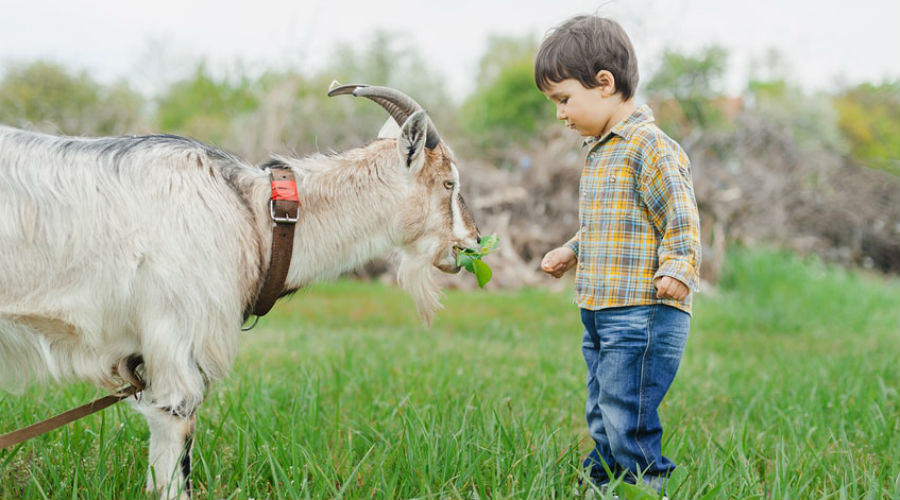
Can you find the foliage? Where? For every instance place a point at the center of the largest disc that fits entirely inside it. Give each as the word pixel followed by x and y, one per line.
pixel 393 60
pixel 202 106
pixel 685 89
pixel 788 389
pixel 47 96
pixel 294 112
pixel 501 52
pixel 869 118
pixel 470 259
pixel 506 107
pixel 808 119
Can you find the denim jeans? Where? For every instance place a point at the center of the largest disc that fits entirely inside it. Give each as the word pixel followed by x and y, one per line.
pixel 632 354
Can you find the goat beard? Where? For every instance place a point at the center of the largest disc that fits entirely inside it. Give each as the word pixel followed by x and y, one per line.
pixel 414 274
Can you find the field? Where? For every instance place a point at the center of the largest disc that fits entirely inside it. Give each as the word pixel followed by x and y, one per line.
pixel 788 389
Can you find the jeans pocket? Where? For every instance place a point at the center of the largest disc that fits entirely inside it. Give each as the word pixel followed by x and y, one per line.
pixel 669 329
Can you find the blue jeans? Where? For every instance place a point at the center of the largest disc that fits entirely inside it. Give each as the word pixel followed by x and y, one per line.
pixel 632 354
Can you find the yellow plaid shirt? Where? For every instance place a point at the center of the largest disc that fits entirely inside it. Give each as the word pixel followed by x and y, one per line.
pixel 638 218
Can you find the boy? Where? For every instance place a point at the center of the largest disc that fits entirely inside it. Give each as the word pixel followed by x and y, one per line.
pixel 637 250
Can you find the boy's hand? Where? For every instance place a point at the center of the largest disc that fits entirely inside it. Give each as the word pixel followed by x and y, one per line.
pixel 668 287
pixel 558 261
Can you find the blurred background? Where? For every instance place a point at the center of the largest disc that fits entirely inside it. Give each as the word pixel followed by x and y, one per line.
pixel 789 110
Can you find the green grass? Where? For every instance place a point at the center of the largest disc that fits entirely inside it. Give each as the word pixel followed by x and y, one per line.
pixel 788 389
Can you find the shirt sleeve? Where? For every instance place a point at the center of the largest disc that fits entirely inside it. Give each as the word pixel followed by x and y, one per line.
pixel 668 193
pixel 573 243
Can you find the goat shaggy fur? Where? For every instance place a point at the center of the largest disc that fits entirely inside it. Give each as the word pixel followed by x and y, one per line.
pixel 158 245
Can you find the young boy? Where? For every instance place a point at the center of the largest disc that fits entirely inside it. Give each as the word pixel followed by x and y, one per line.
pixel 637 250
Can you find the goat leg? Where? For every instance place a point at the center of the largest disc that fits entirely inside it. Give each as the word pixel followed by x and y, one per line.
pixel 171 440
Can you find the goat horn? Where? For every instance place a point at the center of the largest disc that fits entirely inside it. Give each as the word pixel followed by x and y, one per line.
pixel 399 105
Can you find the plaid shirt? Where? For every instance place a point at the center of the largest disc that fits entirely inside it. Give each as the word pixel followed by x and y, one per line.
pixel 638 218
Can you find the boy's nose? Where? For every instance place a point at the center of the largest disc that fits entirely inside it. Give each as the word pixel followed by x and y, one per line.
pixel 560 115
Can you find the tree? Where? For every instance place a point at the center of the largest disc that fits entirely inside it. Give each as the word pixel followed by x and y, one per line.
pixel 395 61
pixel 686 89
pixel 869 118
pixel 46 96
pixel 506 106
pixel 203 107
pixel 807 119
pixel 287 111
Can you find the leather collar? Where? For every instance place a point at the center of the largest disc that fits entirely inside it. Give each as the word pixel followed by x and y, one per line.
pixel 284 209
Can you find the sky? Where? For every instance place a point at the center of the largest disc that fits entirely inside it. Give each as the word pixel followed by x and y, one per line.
pixel 826 43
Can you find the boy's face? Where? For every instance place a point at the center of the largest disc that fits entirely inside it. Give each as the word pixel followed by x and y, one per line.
pixel 587 111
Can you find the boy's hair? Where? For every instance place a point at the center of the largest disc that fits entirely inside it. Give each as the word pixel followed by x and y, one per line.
pixel 581 47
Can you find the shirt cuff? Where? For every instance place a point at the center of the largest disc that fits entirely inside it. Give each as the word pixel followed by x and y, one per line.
pixel 681 270
pixel 573 246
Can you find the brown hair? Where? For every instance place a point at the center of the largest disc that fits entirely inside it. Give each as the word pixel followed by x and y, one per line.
pixel 581 47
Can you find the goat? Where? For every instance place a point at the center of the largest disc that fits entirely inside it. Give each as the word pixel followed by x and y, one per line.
pixel 157 246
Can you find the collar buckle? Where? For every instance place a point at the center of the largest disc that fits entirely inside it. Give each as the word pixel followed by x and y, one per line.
pixel 284 203
pixel 286 217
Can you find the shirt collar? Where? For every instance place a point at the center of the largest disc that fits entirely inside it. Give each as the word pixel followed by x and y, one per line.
pixel 640 116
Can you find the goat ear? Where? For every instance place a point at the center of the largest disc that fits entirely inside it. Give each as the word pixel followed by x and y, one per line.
pixel 411 143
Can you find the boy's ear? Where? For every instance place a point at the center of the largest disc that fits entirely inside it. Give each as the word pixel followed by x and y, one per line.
pixel 607 82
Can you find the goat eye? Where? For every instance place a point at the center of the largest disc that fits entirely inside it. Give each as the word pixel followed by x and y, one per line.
pixel 449 185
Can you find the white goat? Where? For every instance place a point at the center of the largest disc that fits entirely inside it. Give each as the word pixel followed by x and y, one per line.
pixel 158 246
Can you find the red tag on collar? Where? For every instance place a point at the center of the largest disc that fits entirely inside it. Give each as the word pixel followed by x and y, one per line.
pixel 285 190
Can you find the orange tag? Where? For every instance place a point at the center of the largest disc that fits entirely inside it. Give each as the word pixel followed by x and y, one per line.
pixel 285 190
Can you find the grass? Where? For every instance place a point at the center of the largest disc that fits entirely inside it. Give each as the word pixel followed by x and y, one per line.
pixel 788 389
